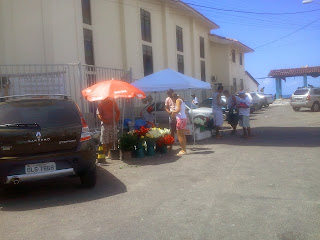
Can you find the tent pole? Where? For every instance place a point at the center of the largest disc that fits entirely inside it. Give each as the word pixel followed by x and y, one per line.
pixel 193 130
pixel 155 108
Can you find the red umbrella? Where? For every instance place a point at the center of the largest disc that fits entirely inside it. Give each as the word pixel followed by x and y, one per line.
pixel 111 89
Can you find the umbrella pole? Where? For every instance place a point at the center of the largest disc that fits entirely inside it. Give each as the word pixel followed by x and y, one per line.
pixel 124 107
pixel 114 129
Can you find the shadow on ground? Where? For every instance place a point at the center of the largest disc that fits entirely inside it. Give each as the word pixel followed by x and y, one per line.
pixel 157 159
pixel 59 192
pixel 272 136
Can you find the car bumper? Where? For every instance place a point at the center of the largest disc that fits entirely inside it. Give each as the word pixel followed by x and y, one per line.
pixel 301 104
pixel 67 164
pixel 15 179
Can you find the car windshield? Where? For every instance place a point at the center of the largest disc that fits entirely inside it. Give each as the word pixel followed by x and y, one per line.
pixel 46 113
pixel 301 92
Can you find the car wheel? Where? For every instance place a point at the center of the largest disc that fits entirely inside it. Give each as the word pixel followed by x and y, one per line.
pixel 296 109
pixel 224 117
pixel 315 107
pixel 88 179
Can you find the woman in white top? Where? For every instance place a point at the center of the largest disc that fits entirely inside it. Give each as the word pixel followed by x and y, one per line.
pixel 181 117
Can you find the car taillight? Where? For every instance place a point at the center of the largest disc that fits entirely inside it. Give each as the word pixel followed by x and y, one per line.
pixel 308 98
pixel 85 134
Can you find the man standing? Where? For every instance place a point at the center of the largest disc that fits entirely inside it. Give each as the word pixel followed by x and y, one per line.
pixel 194 99
pixel 217 110
pixel 244 113
pixel 109 114
pixel 170 106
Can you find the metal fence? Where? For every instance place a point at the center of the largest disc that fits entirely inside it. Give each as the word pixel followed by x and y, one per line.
pixel 67 79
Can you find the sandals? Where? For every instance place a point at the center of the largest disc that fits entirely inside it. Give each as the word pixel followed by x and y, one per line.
pixel 181 153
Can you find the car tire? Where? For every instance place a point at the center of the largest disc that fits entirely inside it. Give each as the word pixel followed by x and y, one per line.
pixel 296 109
pixel 88 179
pixel 224 117
pixel 315 107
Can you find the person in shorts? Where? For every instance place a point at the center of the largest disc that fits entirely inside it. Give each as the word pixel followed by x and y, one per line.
pixel 108 112
pixel 217 110
pixel 180 114
pixel 244 114
pixel 170 106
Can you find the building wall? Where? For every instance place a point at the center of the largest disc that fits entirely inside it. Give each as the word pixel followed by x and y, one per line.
pixel 250 85
pixel 220 63
pixel 236 70
pixel 51 32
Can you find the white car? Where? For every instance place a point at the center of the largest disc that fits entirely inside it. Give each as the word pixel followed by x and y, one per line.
pixel 161 115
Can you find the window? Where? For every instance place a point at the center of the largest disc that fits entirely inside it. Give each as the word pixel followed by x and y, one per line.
pixel 180 63
pixel 88 47
pixel 241 84
pixel 86 11
pixel 202 47
pixel 234 85
pixel 233 56
pixel 240 58
pixel 301 92
pixel 203 70
pixel 147 60
pixel 145 25
pixel 179 36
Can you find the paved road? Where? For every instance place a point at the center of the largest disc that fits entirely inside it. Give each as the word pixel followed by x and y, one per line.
pixel 264 188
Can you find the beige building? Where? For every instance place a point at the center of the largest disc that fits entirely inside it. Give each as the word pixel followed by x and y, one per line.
pixel 145 36
pixel 252 84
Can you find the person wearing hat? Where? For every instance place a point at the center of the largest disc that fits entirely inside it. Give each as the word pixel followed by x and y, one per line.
pixel 148 117
pixel 194 99
pixel 244 113
pixel 170 106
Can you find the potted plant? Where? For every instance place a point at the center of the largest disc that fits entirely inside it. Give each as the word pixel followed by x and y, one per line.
pixel 140 144
pixel 151 138
pixel 127 144
pixel 163 142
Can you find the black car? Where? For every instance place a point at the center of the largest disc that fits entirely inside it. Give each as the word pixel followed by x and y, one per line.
pixel 44 137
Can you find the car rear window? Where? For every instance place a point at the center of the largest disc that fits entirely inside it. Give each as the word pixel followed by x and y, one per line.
pixel 47 113
pixel 301 92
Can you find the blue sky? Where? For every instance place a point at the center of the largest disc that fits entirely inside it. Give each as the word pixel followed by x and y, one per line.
pixel 254 30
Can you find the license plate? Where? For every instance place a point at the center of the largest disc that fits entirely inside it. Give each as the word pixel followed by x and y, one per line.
pixel 40 167
pixel 298 99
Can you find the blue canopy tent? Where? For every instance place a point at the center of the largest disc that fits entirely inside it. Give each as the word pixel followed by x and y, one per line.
pixel 165 79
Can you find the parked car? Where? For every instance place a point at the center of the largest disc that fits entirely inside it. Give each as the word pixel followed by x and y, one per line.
pixel 208 103
pixel 44 137
pixel 161 115
pixel 260 99
pixel 270 98
pixel 306 98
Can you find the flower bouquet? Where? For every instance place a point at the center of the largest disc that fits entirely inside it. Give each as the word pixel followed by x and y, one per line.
pixel 199 122
pixel 163 142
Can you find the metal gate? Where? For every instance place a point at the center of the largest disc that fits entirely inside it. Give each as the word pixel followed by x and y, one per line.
pixel 66 79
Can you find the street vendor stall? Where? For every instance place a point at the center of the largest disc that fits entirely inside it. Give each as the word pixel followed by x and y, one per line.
pixel 165 79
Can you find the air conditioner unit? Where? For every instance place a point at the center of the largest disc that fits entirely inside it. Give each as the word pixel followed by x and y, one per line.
pixel 213 78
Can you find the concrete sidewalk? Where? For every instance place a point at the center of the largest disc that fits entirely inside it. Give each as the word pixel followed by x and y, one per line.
pixel 262 188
